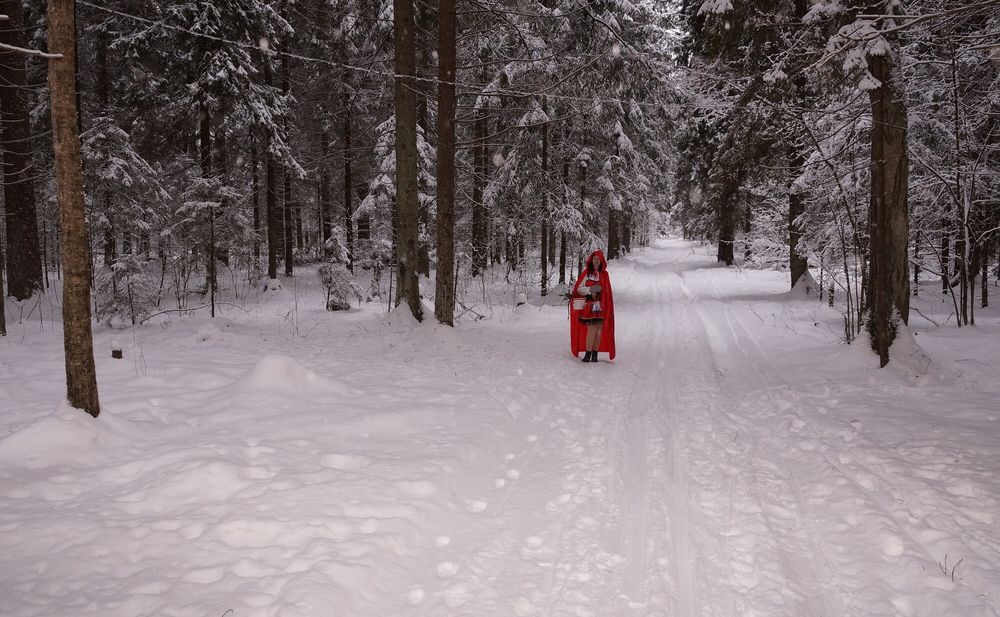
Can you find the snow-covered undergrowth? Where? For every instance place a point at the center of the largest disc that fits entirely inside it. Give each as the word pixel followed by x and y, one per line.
pixel 282 460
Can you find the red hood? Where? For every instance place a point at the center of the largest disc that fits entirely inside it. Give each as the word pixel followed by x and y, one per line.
pixel 600 255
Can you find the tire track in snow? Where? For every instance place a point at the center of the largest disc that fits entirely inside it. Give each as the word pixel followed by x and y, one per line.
pixel 648 480
pixel 657 424
pixel 793 538
pixel 629 486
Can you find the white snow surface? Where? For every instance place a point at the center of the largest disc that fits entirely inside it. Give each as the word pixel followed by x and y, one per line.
pixel 734 460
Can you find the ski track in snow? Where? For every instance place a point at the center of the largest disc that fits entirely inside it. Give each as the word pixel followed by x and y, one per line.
pixel 733 461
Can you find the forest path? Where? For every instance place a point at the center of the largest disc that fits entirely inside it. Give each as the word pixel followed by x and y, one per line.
pixel 716 549
pixel 638 493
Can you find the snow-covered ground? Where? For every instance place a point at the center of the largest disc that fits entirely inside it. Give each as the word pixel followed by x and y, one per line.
pixel 735 460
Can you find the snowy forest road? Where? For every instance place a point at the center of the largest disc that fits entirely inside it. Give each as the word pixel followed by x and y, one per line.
pixel 731 489
pixel 735 459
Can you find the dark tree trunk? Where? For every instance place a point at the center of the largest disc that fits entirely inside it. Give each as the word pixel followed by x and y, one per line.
pixel 727 221
pixel 479 235
pixel 325 187
pixel 273 216
pixel 562 234
pixel 444 293
pixel 945 249
pixel 562 257
pixel 3 313
pixel 287 205
pixel 81 376
pixel 286 220
pixel 797 264
pixel 407 210
pixel 255 190
pixel 889 268
pixel 426 20
pixel 300 239
pixel 348 210
pixel 205 151
pixel 24 266
pixel 984 277
pixel 626 228
pixel 545 206
pixel 614 240
pixel 272 213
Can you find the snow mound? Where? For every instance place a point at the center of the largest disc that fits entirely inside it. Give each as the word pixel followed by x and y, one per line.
pixel 402 318
pixel 805 287
pixel 64 436
pixel 282 374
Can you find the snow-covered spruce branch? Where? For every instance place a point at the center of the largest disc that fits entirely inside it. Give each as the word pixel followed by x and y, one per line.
pixel 912 20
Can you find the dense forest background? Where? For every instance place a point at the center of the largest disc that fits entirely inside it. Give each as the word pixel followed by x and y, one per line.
pixel 853 143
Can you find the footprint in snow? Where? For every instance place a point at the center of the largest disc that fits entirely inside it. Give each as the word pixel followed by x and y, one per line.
pixel 344 462
pixel 442 541
pixel 476 506
pixel 893 546
pixel 447 569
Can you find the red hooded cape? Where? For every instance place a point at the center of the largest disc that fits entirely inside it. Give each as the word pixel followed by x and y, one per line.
pixel 577 329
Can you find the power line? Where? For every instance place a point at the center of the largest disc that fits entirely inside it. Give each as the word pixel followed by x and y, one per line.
pixel 471 89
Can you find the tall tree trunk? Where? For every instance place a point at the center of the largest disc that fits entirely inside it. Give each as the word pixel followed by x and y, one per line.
pixel 286 220
pixel 889 267
pixel 727 221
pixel 81 375
pixel 798 265
pixel 444 292
pixel 24 266
pixel 300 237
pixel 545 205
pixel 348 209
pixel 614 240
pixel 325 185
pixel 945 249
pixel 424 69
pixel 205 151
pixel 626 232
pixel 407 210
pixel 273 215
pixel 287 205
pixel 562 234
pixel 3 313
pixel 479 235
pixel 255 190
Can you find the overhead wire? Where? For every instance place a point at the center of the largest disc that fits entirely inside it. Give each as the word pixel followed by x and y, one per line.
pixel 468 89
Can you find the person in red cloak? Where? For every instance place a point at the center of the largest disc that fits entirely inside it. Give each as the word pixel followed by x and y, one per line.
pixel 592 328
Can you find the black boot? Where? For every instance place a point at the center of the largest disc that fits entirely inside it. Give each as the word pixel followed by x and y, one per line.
pixel 593 358
pixel 586 357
